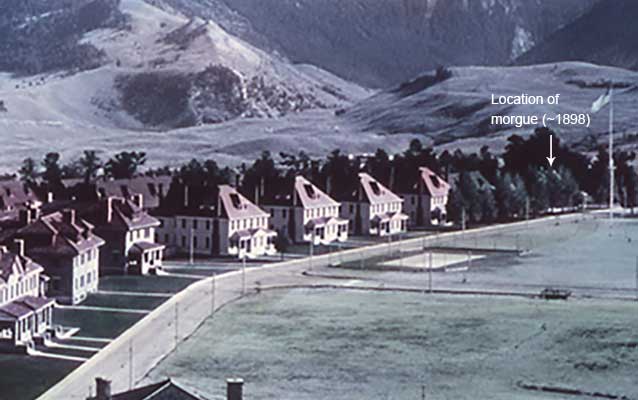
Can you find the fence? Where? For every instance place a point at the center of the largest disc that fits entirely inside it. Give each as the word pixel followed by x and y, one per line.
pixel 129 357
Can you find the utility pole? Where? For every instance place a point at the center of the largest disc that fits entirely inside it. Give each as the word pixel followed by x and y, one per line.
pixel 463 219
pixel 212 295
pixel 130 365
pixel 611 152
pixel 636 278
pixel 191 247
pixel 430 272
pixel 312 247
pixel 176 322
pixel 422 392
pixel 526 210
pixel 243 275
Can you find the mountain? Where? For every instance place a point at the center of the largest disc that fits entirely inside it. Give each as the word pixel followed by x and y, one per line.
pixel 379 43
pixel 141 67
pixel 454 109
pixel 605 35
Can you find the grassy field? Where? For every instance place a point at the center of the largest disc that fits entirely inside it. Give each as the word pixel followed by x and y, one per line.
pixel 150 284
pixel 359 345
pixel 25 377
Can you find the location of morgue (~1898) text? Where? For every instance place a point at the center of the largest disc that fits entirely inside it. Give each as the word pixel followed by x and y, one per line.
pixel 534 120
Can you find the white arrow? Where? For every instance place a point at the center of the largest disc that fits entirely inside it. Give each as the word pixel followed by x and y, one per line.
pixel 551 157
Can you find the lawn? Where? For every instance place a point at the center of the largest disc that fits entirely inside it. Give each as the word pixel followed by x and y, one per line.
pixel 323 344
pixel 25 377
pixel 119 301
pixel 145 284
pixel 96 324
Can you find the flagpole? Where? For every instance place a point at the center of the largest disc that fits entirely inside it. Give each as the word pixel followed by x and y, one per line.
pixel 611 152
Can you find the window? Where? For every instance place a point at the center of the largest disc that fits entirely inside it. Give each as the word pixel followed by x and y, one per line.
pixel 208 243
pixel 183 241
pixel 310 190
pixel 283 213
pixel 166 238
pixel 183 223
pixel 234 198
pixel 375 188
pixel 208 225
pixel 195 242
pixel 194 224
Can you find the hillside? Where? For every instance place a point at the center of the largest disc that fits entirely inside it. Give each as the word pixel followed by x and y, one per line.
pixel 163 70
pixel 381 43
pixel 456 112
pixel 606 35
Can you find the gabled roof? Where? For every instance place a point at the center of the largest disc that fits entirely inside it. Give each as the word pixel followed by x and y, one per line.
pixel 15 194
pixel 152 189
pixel 14 264
pixel 164 390
pixel 235 206
pixel 310 196
pixel 117 213
pixel 435 186
pixel 67 234
pixel 374 191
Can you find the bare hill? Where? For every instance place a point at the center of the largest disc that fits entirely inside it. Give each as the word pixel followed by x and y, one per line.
pixel 457 111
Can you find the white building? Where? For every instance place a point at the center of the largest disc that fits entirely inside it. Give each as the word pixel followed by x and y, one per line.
pixel 426 201
pixel 308 213
pixel 375 210
pixel 234 226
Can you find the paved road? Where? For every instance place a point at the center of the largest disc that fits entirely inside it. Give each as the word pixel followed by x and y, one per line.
pixel 127 359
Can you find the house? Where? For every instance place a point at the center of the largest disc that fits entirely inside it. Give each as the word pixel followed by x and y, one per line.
pixel 307 214
pixel 26 314
pixel 167 390
pixel 129 232
pixel 153 189
pixel 425 201
pixel 16 196
pixel 69 251
pixel 373 209
pixel 223 223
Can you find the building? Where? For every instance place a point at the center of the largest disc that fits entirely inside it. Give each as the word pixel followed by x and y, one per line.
pixel 307 214
pixel 16 196
pixel 26 314
pixel 243 226
pixel 164 390
pixel 425 201
pixel 69 251
pixel 129 232
pixel 152 189
pixel 373 209
pixel 224 223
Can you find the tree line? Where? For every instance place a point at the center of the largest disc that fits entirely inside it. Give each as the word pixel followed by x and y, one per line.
pixel 486 187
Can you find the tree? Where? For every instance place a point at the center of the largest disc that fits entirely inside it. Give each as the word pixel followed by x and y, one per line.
pixel 52 173
pixel 520 196
pixel 505 196
pixel 125 165
pixel 28 171
pixel 488 205
pixel 90 163
pixel 471 195
pixel 281 244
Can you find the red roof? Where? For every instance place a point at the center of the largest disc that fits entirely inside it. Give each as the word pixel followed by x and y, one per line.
pixel 434 184
pixel 375 192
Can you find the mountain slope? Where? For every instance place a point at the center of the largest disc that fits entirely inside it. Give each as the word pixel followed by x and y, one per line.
pixel 379 42
pixel 457 111
pixel 162 70
pixel 606 35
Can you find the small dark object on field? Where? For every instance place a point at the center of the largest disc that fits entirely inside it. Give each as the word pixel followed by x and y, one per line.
pixel 554 294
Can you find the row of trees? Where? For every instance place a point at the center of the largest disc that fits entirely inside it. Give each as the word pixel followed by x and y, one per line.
pixel 50 171
pixel 486 186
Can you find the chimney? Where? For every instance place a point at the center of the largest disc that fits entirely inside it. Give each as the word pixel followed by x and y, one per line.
pixel 49 197
pixel 109 210
pixel 329 185
pixel 25 216
pixel 234 389
pixel 138 199
pixel 262 187
pixel 68 216
pixel 257 195
pixel 103 389
pixel 186 196
pixel 18 247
